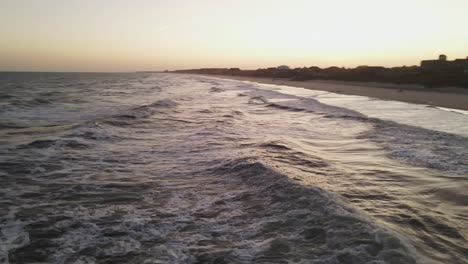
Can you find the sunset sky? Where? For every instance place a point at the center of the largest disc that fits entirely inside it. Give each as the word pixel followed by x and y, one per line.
pixel 118 35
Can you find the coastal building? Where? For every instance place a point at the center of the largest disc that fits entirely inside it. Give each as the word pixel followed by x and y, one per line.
pixel 442 64
pixel 436 65
pixel 462 63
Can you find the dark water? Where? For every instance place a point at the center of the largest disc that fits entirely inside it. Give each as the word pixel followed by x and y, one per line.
pixel 159 168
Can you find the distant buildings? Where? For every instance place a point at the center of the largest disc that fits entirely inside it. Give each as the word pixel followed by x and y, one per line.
pixel 463 63
pixel 432 73
pixel 444 65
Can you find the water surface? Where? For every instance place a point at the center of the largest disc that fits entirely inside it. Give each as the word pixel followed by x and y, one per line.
pixel 161 168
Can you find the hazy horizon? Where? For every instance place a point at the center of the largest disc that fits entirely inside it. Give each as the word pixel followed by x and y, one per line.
pixel 144 35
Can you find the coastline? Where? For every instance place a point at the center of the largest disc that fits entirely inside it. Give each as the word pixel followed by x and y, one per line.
pixel 449 97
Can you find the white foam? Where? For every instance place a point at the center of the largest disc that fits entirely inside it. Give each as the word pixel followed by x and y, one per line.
pixel 440 119
pixel 453 110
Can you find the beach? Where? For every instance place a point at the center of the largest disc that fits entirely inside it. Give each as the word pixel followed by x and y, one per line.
pixel 449 97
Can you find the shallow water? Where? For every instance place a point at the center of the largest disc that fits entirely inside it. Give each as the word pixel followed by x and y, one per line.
pixel 161 168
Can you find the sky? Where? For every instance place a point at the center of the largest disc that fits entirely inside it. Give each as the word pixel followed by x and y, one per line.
pixel 134 35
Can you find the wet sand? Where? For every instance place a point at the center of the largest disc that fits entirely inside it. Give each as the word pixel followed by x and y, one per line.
pixel 449 97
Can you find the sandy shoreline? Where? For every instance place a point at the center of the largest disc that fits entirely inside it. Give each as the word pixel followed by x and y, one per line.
pixel 452 97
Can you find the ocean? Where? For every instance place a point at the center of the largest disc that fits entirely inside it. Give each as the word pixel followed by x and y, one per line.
pixel 173 168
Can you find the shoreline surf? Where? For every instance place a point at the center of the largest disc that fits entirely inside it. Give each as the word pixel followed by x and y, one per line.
pixel 450 97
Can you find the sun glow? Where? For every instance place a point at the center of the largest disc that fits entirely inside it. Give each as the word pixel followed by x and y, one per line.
pixel 156 35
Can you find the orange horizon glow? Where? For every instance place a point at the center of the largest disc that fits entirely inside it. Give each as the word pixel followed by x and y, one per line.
pixel 118 35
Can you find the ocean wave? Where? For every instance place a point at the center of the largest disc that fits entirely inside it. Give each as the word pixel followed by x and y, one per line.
pixel 293 103
pixel 421 147
pixel 216 90
pixel 287 154
pixel 303 221
pixel 415 145
pixel 48 143
pixel 285 107
pixel 275 145
pixel 258 100
pixel 11 125
pixel 31 102
pixel 164 103
pixel 128 118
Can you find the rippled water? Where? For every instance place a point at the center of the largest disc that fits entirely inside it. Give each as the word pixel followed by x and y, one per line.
pixel 161 168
